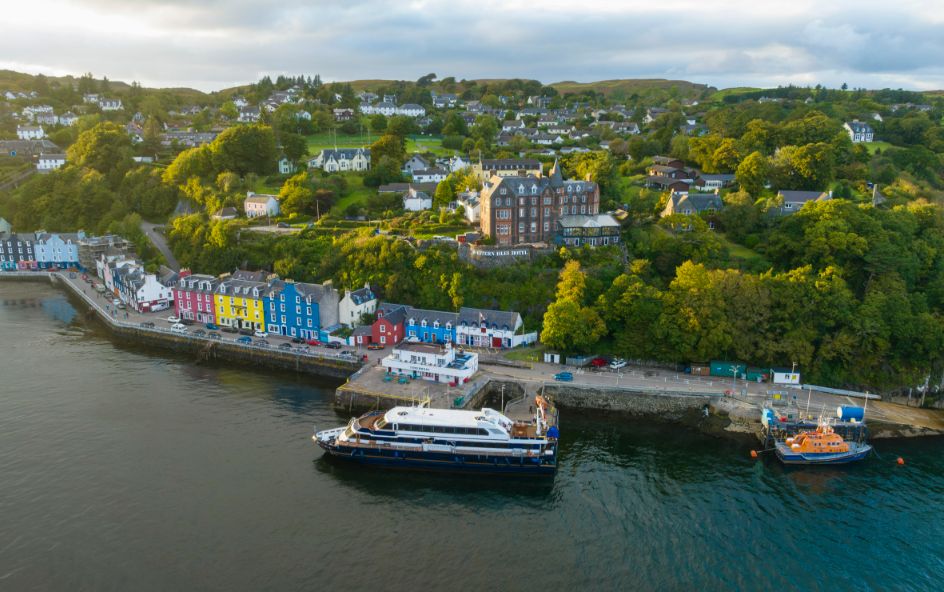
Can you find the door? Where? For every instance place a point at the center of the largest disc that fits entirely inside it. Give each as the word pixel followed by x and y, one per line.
pixel 496 342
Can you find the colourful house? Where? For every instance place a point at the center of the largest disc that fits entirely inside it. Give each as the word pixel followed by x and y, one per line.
pixel 194 297
pixel 430 326
pixel 300 309
pixel 388 328
pixel 239 300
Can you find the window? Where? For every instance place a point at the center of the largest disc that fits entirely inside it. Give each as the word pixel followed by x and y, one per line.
pixel 521 212
pixel 308 311
pixel 534 227
pixel 504 191
pixel 547 212
pixel 309 322
pixel 534 190
pixel 298 310
pixel 423 323
pixel 297 300
pixel 521 227
pixel 498 200
pixel 281 308
pixel 504 214
pixel 583 209
pixel 547 200
pixel 573 210
pixel 534 212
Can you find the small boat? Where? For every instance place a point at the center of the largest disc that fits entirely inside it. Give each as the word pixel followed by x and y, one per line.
pixel 821 446
pixel 452 440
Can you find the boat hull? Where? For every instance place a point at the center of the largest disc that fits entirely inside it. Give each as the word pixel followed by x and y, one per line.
pixel 449 462
pixel 789 457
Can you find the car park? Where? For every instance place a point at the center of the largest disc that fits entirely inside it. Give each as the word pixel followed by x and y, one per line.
pixel 564 377
pixel 173 319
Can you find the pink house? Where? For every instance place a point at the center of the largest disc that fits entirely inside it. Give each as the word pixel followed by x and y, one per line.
pixel 193 297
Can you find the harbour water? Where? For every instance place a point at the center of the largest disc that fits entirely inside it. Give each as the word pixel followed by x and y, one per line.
pixel 130 469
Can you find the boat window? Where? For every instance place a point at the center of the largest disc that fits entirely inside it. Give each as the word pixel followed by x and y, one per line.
pixel 381 424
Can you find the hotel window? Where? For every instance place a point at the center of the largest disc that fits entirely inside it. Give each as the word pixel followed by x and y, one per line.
pixel 563 211
pixel 308 311
pixel 297 300
pixel 547 226
pixel 547 200
pixel 583 209
pixel 534 212
pixel 547 211
pixel 583 198
pixel 534 227
pixel 521 212
pixel 281 308
pixel 298 310
pixel 423 323
pixel 309 322
pixel 507 201
pixel 573 210
pixel 283 319
pixel 521 227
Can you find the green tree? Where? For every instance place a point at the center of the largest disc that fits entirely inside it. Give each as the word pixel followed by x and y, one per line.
pixel 245 149
pixel 751 174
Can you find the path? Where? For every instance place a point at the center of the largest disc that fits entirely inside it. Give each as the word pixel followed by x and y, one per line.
pixel 158 240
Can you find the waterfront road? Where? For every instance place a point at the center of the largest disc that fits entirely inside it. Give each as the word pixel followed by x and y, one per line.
pixel 160 242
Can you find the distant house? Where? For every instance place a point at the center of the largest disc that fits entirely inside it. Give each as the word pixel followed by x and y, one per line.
pixel 249 114
pixel 110 104
pixel 388 328
pixel 478 327
pixel 507 167
pixel 50 162
pixel 68 118
pixel 411 110
pixel 668 161
pixel 653 113
pixel 680 173
pixel 355 304
pixel 343 114
pixel 457 163
pixel 341 159
pixel 402 188
pixel 692 203
pixel 794 200
pixel 227 213
pixel 711 182
pixel 596 230
pixel 30 132
pixel 416 201
pixel 257 205
pixel 286 166
pixel 859 131
pixel 298 309
pixel 667 184
pixel 430 175
pixel 469 200
pixel 415 163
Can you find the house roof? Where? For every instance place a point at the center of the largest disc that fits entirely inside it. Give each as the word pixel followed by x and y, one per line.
pixel 699 202
pixel 431 316
pixel 859 127
pixel 597 221
pixel 260 199
pixel 362 295
pixel 790 196
pixel 496 318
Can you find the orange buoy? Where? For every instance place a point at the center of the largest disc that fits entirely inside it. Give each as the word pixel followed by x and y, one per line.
pixel 753 454
pixel 901 461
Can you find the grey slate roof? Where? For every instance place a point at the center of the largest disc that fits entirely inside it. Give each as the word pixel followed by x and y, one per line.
pixel 493 318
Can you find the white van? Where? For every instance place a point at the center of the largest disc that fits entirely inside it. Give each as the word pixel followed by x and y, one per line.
pixel 178 328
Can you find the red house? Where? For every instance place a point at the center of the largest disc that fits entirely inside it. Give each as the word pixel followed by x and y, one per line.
pixel 388 328
pixel 193 297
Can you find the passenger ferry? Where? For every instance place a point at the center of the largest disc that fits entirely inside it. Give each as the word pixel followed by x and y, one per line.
pixel 454 440
pixel 822 446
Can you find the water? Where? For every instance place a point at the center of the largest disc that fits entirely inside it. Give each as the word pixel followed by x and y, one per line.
pixel 130 469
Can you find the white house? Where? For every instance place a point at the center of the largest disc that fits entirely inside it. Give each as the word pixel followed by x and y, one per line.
pixel 286 166
pixel 50 162
pixel 342 159
pixel 384 108
pixel 249 114
pixel 469 200
pixel 355 305
pixel 416 201
pixel 68 118
pixel 479 327
pixel 429 175
pixel 456 163
pixel 145 293
pixel 110 104
pixel 415 163
pixel 432 361
pixel 259 204
pixel 30 132
pixel 859 131
pixel 411 110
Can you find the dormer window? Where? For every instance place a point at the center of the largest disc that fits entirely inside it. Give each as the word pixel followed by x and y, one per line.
pixel 534 189
pixel 435 324
pixel 412 321
pixel 570 189
pixel 423 323
pixel 448 326
pixel 521 188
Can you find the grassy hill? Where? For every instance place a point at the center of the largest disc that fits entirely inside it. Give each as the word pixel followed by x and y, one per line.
pixel 621 89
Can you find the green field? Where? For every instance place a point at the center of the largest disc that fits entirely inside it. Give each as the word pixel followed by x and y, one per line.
pixel 319 142
pixel 873 146
pixel 358 194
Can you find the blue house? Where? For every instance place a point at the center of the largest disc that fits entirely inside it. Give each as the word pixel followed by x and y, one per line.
pixel 299 309
pixel 430 326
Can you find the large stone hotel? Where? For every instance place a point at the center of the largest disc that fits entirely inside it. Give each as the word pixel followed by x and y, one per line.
pixel 526 209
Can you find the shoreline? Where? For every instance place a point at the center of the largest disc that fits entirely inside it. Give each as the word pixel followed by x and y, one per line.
pixel 711 413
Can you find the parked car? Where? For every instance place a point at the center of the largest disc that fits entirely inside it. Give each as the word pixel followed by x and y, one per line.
pixel 313 342
pixel 215 336
pixel 228 329
pixel 618 363
pixel 245 340
pixel 147 325
pixel 247 332
pixel 212 327
pixel 285 345
pixel 260 333
pixel 564 377
pixel 173 319
pixel 347 352
pixel 121 305
pixel 333 345
pixel 599 362
pixel 375 346
pixel 178 328
pixel 199 333
pixel 297 340
pixel 283 225
pixel 187 322
pixel 262 343
pixel 116 301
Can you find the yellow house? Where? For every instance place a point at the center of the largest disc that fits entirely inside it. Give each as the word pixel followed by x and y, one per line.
pixel 239 304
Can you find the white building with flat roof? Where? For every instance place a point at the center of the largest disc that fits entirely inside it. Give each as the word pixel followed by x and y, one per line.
pixel 431 361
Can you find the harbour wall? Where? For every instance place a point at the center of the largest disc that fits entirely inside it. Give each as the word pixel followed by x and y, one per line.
pixel 318 363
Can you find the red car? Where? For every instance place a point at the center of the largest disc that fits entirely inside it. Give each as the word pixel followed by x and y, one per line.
pixel 599 362
pixel 373 346
pixel 313 342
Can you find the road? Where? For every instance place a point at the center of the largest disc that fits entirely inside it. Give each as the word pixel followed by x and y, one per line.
pixel 158 240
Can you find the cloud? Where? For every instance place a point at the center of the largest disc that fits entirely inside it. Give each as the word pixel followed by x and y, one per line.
pixel 212 44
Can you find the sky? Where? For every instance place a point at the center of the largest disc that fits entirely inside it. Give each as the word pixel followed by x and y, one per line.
pixel 215 44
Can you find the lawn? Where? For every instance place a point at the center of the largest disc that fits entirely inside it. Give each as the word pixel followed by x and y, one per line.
pixel 357 193
pixel 738 251
pixel 872 147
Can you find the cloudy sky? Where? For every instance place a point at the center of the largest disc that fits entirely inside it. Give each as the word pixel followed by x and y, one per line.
pixel 213 44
